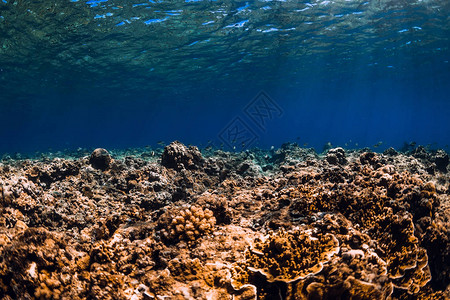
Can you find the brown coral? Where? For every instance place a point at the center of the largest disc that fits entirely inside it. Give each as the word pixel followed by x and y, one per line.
pixel 290 256
pixel 186 223
pixel 407 262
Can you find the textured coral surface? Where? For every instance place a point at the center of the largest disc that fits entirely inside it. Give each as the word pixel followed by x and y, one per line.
pixel 189 224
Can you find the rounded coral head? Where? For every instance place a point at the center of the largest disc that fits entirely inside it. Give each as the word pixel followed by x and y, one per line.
pixel 100 159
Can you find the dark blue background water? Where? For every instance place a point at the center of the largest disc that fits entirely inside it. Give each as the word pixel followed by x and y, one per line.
pixel 394 96
pixel 342 112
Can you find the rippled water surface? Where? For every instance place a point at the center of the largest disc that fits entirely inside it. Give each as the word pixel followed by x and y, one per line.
pixel 172 50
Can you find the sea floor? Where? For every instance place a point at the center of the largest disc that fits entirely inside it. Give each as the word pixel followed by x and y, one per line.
pixel 184 224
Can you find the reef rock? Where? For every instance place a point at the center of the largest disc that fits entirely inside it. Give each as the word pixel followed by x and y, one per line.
pixel 177 156
pixel 336 156
pixel 441 159
pixel 100 159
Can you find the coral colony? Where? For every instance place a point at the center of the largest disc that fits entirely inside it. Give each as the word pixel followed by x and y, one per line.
pixel 281 224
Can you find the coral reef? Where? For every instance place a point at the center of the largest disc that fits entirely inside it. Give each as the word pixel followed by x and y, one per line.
pixel 277 224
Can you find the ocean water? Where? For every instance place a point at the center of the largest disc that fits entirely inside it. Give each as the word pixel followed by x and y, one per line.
pixel 232 74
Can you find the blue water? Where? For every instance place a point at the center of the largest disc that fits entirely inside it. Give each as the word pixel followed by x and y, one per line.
pixel 119 74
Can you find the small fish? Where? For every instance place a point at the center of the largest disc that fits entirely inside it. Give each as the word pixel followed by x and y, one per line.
pixel 327 146
pixel 161 143
pixel 378 144
pixel 356 144
pixel 346 145
pixel 272 147
pixel 305 144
